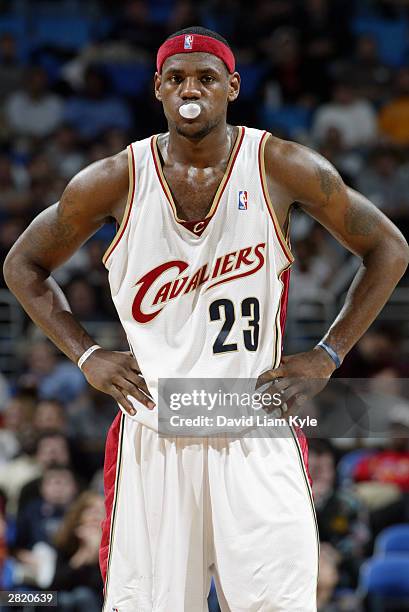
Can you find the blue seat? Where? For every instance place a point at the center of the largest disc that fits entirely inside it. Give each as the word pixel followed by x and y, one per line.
pixel 17 27
pixel 386 577
pixel 129 79
pixel 12 25
pixel 251 76
pixel 394 539
pixel 348 463
pixel 391 37
pixel 71 33
pixel 161 10
pixel 289 120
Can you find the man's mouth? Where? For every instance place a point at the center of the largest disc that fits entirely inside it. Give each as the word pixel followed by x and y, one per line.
pixel 190 110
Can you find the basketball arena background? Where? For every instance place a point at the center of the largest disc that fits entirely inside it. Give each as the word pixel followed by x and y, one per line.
pixel 76 86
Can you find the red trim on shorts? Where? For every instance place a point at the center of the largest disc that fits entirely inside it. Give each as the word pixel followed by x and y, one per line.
pixel 303 443
pixel 301 437
pixel 110 477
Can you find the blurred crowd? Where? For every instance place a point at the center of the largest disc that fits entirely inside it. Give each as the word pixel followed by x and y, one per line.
pixel 75 87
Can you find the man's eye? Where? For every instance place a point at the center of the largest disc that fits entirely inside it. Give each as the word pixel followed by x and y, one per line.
pixel 175 79
pixel 207 79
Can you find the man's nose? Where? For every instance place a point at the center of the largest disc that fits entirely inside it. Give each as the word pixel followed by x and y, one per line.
pixel 190 89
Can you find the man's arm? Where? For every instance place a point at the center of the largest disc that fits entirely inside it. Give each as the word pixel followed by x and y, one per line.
pixel 95 194
pixel 312 181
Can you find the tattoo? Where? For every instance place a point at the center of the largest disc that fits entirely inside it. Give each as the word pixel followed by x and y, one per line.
pixel 360 220
pixel 330 181
pixel 67 232
pixel 54 232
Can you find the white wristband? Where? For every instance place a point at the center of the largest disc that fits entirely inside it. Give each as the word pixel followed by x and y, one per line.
pixel 87 353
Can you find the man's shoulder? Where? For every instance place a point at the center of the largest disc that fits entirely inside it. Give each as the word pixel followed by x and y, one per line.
pixel 106 171
pixel 298 169
pixel 284 157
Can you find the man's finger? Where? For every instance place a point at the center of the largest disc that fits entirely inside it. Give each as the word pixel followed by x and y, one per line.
pixel 134 366
pixel 122 400
pixel 269 376
pixel 129 388
pixel 138 381
pixel 292 390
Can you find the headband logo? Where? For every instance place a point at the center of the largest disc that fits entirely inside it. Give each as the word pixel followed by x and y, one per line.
pixel 188 41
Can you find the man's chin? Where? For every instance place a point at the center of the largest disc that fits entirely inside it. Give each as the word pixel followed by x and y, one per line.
pixel 194 130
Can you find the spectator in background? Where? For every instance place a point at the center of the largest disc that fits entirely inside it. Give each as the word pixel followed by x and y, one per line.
pixel 65 152
pixel 77 576
pixel 394 116
pixel 55 379
pixel 135 27
pixel 4 391
pixel 391 464
pixel 370 77
pixel 14 180
pixel 348 162
pixel 49 415
pixel 288 70
pixel 378 349
pixel 385 184
pixel 17 420
pixel 96 109
pixel 51 448
pixel 311 272
pixel 11 70
pixel 90 418
pixel 18 466
pixel 10 230
pixel 39 519
pixel 324 33
pixel 83 300
pixel 37 524
pixel 35 110
pixel 354 118
pixel 328 577
pixel 342 520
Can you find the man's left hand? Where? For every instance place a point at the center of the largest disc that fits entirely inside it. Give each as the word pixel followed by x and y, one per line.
pixel 299 377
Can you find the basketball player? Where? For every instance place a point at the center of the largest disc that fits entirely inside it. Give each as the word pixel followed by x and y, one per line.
pixel 201 249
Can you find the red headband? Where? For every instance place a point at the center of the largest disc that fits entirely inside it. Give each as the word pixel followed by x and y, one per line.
pixel 195 43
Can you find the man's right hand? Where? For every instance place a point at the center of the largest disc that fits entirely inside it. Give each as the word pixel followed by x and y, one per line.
pixel 119 375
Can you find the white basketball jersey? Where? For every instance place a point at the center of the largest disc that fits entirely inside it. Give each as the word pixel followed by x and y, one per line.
pixel 201 299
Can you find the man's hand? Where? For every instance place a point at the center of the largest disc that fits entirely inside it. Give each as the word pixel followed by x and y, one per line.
pixel 119 375
pixel 298 378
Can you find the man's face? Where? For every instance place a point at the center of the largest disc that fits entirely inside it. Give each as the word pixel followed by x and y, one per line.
pixel 196 77
pixel 53 449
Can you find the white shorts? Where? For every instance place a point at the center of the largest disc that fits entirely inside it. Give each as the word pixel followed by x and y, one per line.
pixel 181 510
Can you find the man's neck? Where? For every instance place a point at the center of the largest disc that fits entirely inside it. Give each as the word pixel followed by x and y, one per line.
pixel 205 152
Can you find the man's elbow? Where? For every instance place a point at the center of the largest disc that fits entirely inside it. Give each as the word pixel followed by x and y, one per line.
pixel 10 269
pixel 398 252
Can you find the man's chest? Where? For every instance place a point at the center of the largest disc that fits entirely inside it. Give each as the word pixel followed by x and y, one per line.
pixel 193 190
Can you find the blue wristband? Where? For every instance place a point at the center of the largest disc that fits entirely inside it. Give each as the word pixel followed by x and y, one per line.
pixel 330 351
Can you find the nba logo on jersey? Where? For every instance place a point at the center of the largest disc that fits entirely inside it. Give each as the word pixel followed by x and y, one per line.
pixel 242 200
pixel 188 41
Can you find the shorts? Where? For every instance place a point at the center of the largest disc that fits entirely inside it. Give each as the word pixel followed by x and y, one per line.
pixel 180 510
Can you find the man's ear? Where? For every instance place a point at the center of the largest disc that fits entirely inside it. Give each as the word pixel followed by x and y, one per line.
pixel 234 86
pixel 158 81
